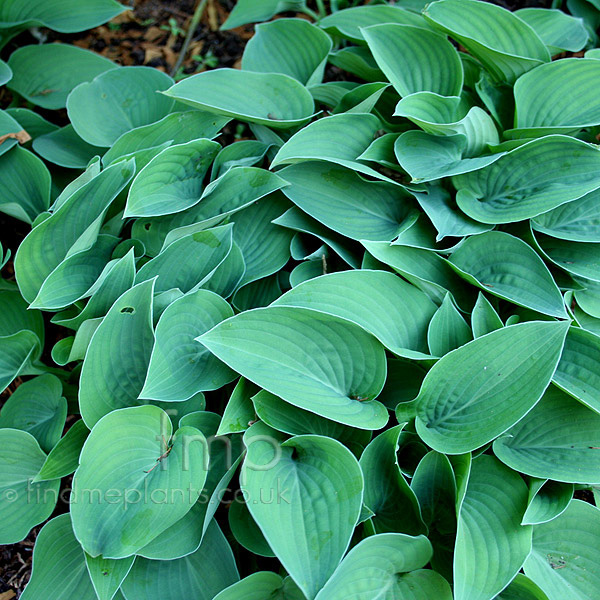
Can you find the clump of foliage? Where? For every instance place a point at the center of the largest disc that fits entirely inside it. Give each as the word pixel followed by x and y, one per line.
pixel 378 314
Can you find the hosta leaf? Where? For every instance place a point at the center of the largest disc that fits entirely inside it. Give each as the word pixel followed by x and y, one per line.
pixel 273 99
pixel 124 458
pixel 315 361
pixel 45 74
pixel 489 531
pixel 249 11
pixel 292 47
pixel 25 191
pixel 117 101
pixel 5 73
pixel 521 588
pixel 530 180
pixel 503 43
pixel 201 575
pixel 311 472
pixel 395 312
pixel 66 16
pixel 189 261
pixel 578 372
pixel 172 181
pixel 8 125
pixel 107 574
pixel 578 221
pixel 113 373
pixel 478 391
pixel 239 410
pixel 556 29
pixel 357 60
pixel 48 243
pixel 179 366
pixel 447 329
pixel 349 23
pixel 547 500
pixel 320 141
pixel 33 123
pixel 556 440
pixel 59 569
pixel 18 350
pixel 177 128
pixel 545 87
pixel 387 494
pixel 24 504
pixel 246 532
pixel 260 585
pixel 484 318
pixel 388 566
pixel 245 153
pixel 415 59
pixel 506 266
pixel 37 406
pixel 65 148
pixel 343 201
pixel 426 157
pixel 63 459
pixel 563 560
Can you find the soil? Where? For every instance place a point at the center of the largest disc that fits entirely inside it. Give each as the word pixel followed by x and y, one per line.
pixel 151 34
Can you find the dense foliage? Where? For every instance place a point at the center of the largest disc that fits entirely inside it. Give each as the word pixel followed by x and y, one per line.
pixel 377 313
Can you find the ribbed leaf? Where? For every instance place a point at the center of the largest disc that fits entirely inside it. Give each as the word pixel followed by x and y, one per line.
pixel 45 74
pixel 489 531
pixel 415 59
pixel 107 574
pixel 507 267
pixel 316 494
pixel 275 100
pixel 315 361
pixel 23 504
pixel 447 329
pixel 292 47
pixel 260 585
pixel 478 391
pixel 127 457
pixel 117 101
pixel 249 11
pixel 556 29
pixel 65 148
pixel 530 180
pixel 395 312
pixel 179 366
pixel 547 500
pixel 563 561
pixel 505 45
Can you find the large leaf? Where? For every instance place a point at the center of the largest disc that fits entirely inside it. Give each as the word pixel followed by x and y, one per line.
pixel 387 566
pixel 24 504
pixel 478 391
pixel 65 148
pixel 578 371
pixel 261 585
pixel 343 201
pixel 306 496
pixel 447 329
pixel 250 11
pixel 200 575
pixel 179 366
pixel 545 87
pixel 59 570
pixel 547 500
pixel 49 242
pixel 557 440
pixel 37 406
pixel 117 101
pixel 25 191
pixel 507 267
pixel 273 99
pixel 293 47
pixel 45 74
pixel 490 533
pixel 395 312
pixel 563 561
pixel 155 479
pixel 172 181
pixel 387 494
pixel 530 180
pixel 310 359
pixel 558 30
pixel 415 59
pixel 115 364
pixel 107 574
pixel 503 43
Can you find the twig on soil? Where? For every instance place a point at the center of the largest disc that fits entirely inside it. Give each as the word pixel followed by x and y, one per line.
pixel 190 34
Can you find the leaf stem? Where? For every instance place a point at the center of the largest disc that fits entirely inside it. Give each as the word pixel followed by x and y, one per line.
pixel 190 34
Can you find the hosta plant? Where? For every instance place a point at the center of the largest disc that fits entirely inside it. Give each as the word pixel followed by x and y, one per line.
pixel 354 355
